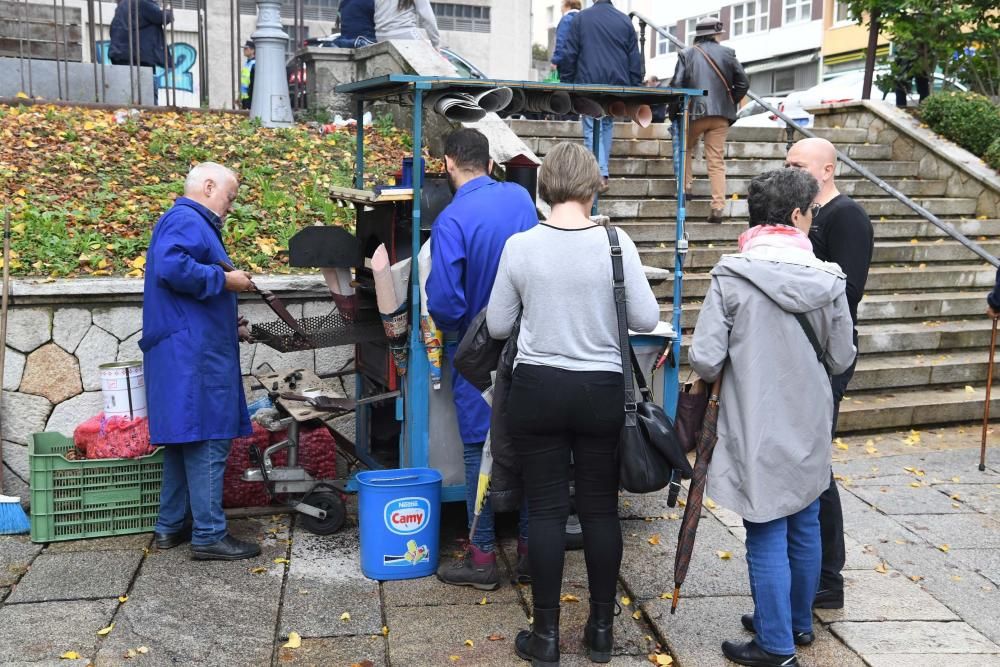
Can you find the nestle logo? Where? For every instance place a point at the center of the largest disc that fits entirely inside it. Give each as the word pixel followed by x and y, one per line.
pixel 405 516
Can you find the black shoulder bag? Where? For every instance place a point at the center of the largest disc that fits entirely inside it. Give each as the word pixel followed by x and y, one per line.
pixel 650 455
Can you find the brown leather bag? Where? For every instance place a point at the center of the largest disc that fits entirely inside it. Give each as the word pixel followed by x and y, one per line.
pixel 691 403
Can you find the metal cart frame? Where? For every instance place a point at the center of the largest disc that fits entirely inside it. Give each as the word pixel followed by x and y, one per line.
pixel 412 406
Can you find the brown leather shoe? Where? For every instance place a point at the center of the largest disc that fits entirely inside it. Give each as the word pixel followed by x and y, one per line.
pixel 715 216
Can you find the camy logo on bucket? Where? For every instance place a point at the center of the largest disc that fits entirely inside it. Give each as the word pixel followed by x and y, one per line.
pixel 405 516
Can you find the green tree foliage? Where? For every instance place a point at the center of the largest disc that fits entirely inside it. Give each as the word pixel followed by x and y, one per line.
pixel 961 37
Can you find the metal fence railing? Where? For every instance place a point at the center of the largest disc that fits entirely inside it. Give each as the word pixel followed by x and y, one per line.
pixel 174 53
pixel 791 127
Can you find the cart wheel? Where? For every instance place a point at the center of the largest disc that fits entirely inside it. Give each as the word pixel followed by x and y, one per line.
pixel 335 514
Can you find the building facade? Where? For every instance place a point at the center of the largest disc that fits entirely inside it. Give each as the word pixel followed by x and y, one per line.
pixel 206 45
pixel 844 41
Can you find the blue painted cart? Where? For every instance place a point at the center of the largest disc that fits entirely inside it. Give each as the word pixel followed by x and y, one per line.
pixel 413 403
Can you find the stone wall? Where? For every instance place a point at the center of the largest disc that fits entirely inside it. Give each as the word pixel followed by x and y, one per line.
pixel 59 332
pixel 965 174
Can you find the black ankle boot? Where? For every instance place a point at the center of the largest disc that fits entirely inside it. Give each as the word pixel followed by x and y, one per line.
pixel 540 645
pixel 598 635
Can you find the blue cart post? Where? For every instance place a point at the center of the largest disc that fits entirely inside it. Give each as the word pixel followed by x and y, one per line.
pixel 413 405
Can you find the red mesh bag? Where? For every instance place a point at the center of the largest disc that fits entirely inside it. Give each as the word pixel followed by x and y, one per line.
pixel 236 492
pixel 317 451
pixel 114 438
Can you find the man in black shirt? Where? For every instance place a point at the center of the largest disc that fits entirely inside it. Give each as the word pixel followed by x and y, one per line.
pixel 841 233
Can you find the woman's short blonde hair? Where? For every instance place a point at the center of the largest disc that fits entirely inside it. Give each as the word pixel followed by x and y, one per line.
pixel 569 173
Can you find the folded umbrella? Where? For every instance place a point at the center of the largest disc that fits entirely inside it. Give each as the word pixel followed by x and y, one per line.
pixel 696 492
pixel 485 474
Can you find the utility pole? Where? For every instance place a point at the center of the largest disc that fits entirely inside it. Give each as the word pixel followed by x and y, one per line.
pixel 866 91
pixel 270 83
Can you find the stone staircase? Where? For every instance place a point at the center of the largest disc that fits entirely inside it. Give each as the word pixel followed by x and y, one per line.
pixel 924 337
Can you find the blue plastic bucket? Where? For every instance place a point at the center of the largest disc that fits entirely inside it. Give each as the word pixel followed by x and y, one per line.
pixel 399 512
pixel 407 173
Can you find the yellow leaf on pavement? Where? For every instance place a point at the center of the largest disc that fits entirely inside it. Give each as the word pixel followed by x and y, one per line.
pixel 258 570
pixel 944 547
pixel 654 540
pixel 279 561
pixel 469 643
pixel 666 596
pixel 916 485
pixel 637 614
pixel 142 649
pixel 483 601
pixel 345 616
pixel 567 597
pixel 710 504
pixel 843 446
pixel 626 600
pixel 662 660
pixel 294 640
pixel 104 631
pixel 969 389
pixel 724 555
pixel 123 598
pixel 881 568
pixel 385 630
pixel 70 655
pixel 454 658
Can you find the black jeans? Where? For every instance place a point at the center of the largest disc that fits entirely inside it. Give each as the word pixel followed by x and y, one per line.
pixel 553 413
pixel 831 515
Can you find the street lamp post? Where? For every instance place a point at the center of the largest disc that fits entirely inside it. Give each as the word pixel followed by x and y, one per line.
pixel 270 85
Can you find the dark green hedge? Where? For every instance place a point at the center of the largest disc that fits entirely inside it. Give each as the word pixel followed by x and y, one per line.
pixel 992 156
pixel 970 120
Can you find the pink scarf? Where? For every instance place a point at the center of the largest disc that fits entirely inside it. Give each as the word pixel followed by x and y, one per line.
pixel 774 236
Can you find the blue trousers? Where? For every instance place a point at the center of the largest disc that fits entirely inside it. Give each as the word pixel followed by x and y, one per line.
pixel 192 486
pixel 485 537
pixel 607 134
pixel 783 557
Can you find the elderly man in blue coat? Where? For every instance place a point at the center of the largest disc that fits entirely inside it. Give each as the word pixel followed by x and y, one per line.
pixel 190 344
pixel 466 242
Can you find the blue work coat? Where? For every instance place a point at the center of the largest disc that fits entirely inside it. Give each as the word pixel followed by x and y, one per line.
pixel 466 242
pixel 190 344
pixel 602 48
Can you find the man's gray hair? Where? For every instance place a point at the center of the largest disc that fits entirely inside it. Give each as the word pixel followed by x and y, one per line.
pixel 204 171
pixel 774 195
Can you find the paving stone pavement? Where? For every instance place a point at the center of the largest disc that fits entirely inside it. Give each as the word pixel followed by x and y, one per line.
pixel 923 567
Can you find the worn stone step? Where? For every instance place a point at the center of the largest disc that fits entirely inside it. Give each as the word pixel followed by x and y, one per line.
pixel 929 335
pixel 881 279
pixel 637 166
pixel 569 130
pixel 881 372
pixel 874 308
pixel 648 231
pixel 886 252
pixel 907 408
pixel 663 187
pixel 752 150
pixel 631 209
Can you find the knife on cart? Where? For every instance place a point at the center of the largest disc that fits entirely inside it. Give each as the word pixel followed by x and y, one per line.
pixel 274 303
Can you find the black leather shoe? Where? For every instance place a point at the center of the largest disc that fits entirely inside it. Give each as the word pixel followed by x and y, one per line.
pixel 754 656
pixel 598 634
pixel 228 548
pixel 800 638
pixel 540 644
pixel 827 598
pixel 715 216
pixel 164 541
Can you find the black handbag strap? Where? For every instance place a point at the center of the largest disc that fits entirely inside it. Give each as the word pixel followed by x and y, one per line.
pixel 813 339
pixel 618 276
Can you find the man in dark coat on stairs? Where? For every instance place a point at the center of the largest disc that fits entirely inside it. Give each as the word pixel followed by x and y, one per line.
pixel 842 233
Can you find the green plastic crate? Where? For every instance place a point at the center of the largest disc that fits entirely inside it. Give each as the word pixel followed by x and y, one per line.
pixel 76 499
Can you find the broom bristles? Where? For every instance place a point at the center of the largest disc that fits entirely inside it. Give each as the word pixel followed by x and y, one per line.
pixel 13 520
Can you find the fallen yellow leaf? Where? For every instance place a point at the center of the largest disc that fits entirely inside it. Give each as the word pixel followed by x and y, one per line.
pixel 661 660
pixel 881 568
pixel 70 655
pixel 279 561
pixel 385 630
pixel 483 601
pixel 914 240
pixel 654 540
pixel 916 485
pixel 944 548
pixel 142 649
pixel 294 640
pixel 345 616
pixel 626 600
pixel 454 658
pixel 969 389
pixel 469 643
pixel 724 555
pixel 666 596
pixel 637 614
pixel 258 570
pixel 104 631
pixel 843 446
pixel 710 504
pixel 569 598
pixel 123 598
pixel 916 577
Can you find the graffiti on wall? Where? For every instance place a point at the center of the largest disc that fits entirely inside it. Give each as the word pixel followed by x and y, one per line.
pixel 181 77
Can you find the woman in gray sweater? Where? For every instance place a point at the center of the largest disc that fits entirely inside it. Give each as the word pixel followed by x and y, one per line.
pixel 567 395
pixel 400 19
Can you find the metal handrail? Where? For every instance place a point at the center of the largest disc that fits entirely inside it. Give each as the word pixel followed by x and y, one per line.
pixel 792 126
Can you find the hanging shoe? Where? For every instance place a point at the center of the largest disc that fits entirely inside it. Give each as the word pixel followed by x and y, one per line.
pixel 751 655
pixel 540 644
pixel 476 568
pixel 598 634
pixel 800 638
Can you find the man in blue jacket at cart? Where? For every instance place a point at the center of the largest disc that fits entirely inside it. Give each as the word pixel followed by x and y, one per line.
pixel 466 242
pixel 190 344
